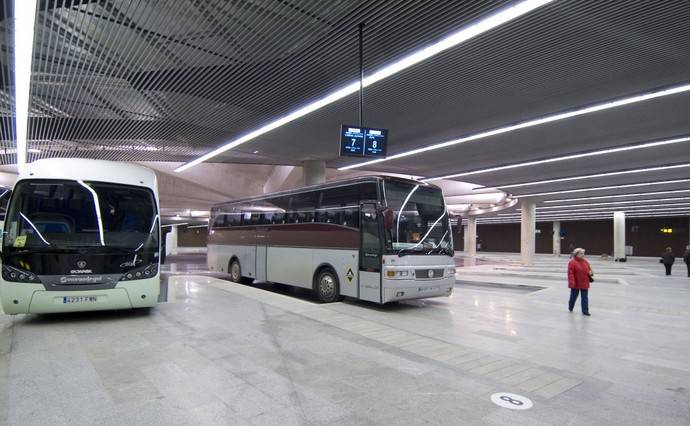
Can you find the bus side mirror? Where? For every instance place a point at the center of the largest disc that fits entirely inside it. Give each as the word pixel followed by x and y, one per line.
pixel 388 219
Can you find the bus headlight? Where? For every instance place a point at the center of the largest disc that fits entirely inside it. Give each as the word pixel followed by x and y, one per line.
pixel 397 274
pixel 450 272
pixel 17 275
pixel 141 273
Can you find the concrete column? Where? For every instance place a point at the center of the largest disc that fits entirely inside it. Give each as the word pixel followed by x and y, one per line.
pixel 171 241
pixel 314 172
pixel 618 235
pixel 471 249
pixel 465 238
pixel 528 229
pixel 557 238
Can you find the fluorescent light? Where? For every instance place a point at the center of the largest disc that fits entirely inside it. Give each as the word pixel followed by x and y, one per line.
pixel 24 17
pixel 565 158
pixel 34 150
pixel 566 214
pixel 598 215
pixel 174 224
pixel 604 197
pixel 198 226
pixel 594 176
pixel 534 122
pixel 467 32
pixel 603 188
pixel 622 208
pixel 615 203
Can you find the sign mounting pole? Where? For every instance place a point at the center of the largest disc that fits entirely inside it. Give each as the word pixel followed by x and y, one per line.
pixel 360 32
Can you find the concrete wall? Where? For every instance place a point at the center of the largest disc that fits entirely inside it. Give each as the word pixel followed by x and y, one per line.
pixel 194 237
pixel 505 237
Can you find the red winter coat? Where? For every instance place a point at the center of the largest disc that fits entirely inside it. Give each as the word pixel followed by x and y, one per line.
pixel 578 273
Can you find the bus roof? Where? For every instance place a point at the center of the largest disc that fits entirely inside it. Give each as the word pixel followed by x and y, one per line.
pixel 332 184
pixel 90 170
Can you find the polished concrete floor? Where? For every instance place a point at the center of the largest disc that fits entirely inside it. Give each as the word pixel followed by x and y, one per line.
pixel 222 353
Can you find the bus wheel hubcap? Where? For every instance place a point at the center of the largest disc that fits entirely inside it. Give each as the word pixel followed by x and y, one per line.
pixel 327 285
pixel 235 271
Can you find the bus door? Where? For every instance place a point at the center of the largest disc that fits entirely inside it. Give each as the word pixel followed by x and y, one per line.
pixel 370 254
pixel 261 250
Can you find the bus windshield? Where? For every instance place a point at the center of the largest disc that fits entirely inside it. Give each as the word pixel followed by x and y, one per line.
pixel 50 215
pixel 420 222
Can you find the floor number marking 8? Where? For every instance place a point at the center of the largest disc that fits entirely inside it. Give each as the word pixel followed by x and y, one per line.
pixel 511 401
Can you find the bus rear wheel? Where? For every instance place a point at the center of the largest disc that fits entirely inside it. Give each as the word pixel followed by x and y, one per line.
pixel 235 271
pixel 326 286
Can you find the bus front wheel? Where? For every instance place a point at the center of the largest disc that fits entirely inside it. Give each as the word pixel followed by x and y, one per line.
pixel 326 286
pixel 235 271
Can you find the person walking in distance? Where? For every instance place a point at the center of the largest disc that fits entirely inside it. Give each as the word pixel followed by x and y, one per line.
pixel 686 258
pixel 667 259
pixel 580 276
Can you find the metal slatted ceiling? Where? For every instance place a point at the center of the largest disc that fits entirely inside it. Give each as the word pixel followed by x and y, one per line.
pixel 145 80
pixel 142 80
pixel 568 54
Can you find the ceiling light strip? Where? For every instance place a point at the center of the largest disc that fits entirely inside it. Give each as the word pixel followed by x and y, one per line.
pixel 622 208
pixel 535 122
pixel 486 221
pixel 597 175
pixel 603 188
pixel 565 214
pixel 613 203
pixel 468 32
pixel 566 158
pixel 24 20
pixel 604 197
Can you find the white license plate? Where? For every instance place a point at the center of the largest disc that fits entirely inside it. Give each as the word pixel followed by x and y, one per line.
pixel 67 300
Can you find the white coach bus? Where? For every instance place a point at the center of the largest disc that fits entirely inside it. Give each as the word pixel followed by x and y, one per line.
pixel 81 235
pixel 377 238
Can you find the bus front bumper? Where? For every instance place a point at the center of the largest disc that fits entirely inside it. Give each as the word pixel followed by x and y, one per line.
pixel 24 298
pixel 395 290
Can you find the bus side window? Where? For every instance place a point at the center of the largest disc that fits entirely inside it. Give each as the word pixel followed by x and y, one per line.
pixel 219 221
pixel 233 219
pixel 304 206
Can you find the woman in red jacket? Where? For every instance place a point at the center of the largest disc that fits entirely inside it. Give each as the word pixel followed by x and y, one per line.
pixel 579 276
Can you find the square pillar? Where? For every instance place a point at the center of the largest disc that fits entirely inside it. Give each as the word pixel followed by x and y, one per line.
pixel 314 172
pixel 528 230
pixel 618 236
pixel 471 249
pixel 556 245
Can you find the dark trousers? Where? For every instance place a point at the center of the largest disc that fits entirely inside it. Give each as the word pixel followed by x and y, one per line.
pixel 668 268
pixel 688 265
pixel 584 300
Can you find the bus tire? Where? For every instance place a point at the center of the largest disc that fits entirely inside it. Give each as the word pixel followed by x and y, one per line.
pixel 326 286
pixel 235 271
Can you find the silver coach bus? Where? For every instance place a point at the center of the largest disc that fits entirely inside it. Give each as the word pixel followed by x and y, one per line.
pixel 377 238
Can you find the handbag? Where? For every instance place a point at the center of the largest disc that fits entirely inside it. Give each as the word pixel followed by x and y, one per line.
pixel 591 278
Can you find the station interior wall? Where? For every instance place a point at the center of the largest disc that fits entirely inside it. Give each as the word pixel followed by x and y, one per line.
pixel 596 236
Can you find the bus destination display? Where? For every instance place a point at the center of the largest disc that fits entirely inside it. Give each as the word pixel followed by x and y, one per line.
pixel 358 141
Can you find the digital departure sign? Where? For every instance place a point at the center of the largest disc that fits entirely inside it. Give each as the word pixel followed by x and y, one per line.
pixel 357 141
pixel 352 141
